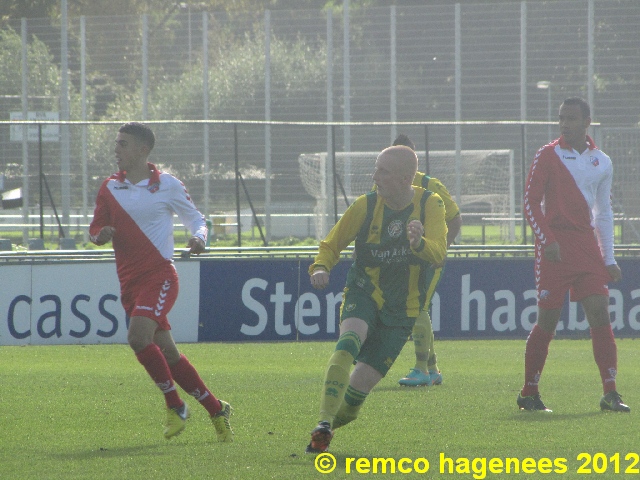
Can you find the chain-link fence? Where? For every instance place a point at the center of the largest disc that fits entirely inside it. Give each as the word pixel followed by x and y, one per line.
pixel 404 67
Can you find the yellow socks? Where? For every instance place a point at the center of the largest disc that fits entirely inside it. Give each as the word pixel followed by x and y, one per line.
pixel 422 332
pixel 336 378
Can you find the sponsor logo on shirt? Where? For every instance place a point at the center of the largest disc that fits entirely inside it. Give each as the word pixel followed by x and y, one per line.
pixel 395 228
pixel 566 157
pixel 394 255
pixel 121 187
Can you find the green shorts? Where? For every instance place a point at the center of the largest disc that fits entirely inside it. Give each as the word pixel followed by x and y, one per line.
pixel 384 342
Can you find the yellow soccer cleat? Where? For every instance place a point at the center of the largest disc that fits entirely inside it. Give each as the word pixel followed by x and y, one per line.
pixel 221 423
pixel 176 421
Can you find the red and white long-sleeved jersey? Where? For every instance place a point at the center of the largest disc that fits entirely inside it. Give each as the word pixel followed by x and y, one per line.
pixel 142 215
pixel 568 190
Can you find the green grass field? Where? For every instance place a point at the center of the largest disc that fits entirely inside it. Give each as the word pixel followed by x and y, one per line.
pixel 91 412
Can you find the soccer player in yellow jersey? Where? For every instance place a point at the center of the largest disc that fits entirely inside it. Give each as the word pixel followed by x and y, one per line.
pixel 399 232
pixel 426 371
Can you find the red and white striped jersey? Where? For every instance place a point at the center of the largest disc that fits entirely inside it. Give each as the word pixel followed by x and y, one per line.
pixel 569 190
pixel 142 215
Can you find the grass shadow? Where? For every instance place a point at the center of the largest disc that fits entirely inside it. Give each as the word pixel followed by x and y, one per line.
pixel 550 416
pixel 106 452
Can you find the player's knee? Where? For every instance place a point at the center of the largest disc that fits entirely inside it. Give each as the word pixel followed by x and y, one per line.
pixel 137 342
pixel 349 342
pixel 599 321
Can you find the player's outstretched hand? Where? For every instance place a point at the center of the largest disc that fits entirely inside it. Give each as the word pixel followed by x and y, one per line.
pixel 196 245
pixel 319 279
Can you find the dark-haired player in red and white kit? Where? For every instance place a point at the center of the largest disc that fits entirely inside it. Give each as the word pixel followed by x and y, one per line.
pixel 134 210
pixel 567 201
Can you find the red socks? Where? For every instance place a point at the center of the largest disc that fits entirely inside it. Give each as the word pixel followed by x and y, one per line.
pixel 155 364
pixel 605 354
pixel 187 377
pixel 535 356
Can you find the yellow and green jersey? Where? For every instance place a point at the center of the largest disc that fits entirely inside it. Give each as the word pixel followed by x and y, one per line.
pixel 436 186
pixel 385 266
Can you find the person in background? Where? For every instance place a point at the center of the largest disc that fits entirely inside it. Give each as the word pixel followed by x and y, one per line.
pixel 426 371
pixel 567 200
pixel 134 210
pixel 399 231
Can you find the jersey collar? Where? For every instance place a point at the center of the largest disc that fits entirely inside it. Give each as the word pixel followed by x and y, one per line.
pixel 565 146
pixel 154 175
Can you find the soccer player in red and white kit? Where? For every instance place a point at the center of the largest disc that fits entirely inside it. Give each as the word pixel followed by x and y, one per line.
pixel 134 209
pixel 567 201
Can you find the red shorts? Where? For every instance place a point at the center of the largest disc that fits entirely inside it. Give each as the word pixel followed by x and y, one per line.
pixel 152 296
pixel 581 272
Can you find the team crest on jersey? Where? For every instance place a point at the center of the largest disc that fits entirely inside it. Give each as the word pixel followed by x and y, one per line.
pixel 154 187
pixel 594 161
pixel 395 228
pixel 544 294
pixel 350 307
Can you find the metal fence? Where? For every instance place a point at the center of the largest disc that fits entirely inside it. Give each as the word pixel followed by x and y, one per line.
pixel 380 71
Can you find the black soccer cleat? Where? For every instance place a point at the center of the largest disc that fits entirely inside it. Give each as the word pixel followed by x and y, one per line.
pixel 532 403
pixel 613 401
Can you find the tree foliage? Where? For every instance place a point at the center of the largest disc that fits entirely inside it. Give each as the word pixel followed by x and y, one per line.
pixel 236 85
pixel 27 8
pixel 43 75
pixel 51 8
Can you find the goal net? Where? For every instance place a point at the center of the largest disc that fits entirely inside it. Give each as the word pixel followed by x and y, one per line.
pixel 481 182
pixel 622 145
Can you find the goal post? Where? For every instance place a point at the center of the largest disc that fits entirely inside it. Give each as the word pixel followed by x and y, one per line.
pixel 486 183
